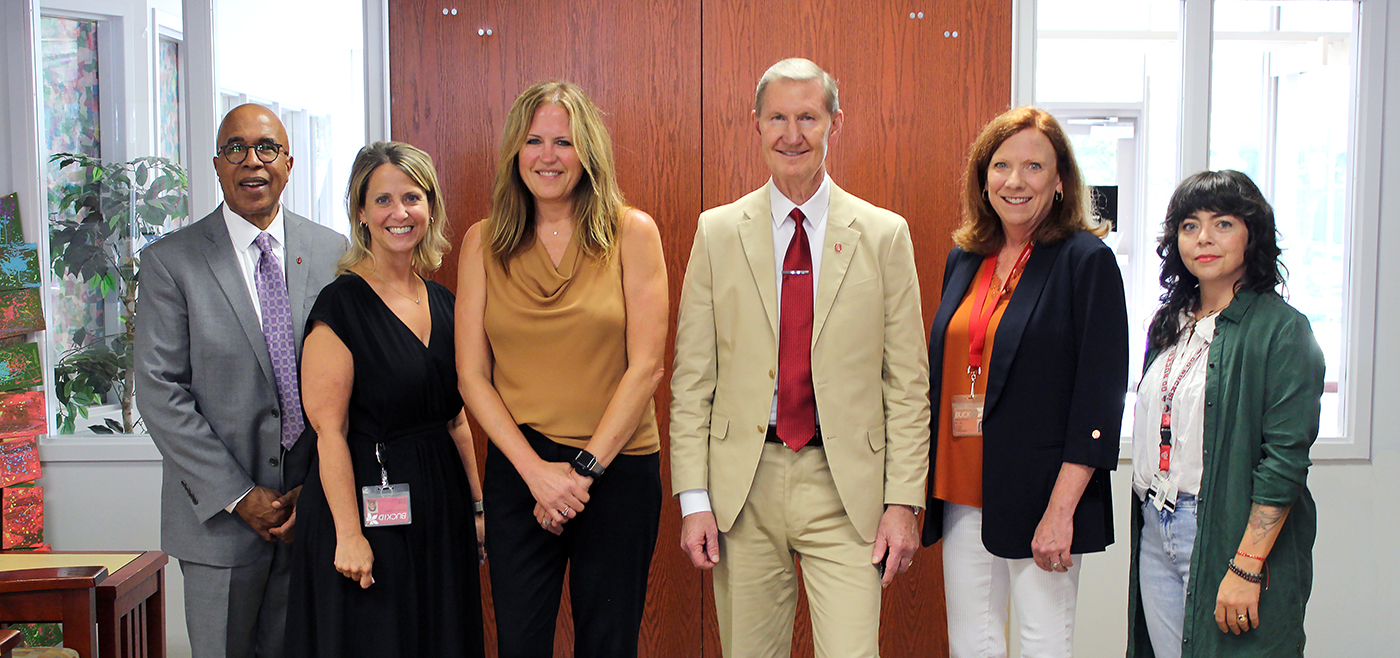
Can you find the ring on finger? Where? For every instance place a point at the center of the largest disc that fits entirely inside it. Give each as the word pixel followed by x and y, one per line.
pixel 1241 618
pixel 568 511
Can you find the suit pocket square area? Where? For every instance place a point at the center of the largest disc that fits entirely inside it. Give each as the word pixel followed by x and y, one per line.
pixel 876 436
pixel 719 428
pixel 189 492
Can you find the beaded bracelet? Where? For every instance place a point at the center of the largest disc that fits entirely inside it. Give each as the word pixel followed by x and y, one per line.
pixel 1255 578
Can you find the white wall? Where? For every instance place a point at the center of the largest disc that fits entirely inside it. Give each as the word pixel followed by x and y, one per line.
pixel 113 506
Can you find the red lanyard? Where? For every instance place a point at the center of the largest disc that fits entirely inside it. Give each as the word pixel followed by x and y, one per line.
pixel 982 311
pixel 1164 452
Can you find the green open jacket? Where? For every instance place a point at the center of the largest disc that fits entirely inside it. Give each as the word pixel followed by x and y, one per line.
pixel 1262 405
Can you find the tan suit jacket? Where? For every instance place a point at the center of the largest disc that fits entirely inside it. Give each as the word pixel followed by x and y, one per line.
pixel 869 364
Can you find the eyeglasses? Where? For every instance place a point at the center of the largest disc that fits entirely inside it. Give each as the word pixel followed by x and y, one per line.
pixel 236 153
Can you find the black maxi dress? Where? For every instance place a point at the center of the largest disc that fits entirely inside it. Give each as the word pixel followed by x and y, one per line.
pixel 425 600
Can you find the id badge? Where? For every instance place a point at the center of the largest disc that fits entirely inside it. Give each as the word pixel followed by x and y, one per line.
pixel 967 415
pixel 1163 493
pixel 386 505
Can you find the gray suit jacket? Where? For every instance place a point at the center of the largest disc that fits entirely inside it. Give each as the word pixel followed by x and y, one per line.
pixel 205 385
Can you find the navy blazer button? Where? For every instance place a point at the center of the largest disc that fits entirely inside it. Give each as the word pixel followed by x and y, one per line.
pixel 272 461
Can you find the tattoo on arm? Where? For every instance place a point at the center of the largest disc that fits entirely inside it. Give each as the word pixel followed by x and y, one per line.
pixel 1263 519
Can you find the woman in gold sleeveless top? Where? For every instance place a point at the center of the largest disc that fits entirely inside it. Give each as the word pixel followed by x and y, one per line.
pixel 560 334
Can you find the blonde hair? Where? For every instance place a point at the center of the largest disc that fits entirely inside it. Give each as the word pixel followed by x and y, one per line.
pixel 981 231
pixel 418 166
pixel 598 201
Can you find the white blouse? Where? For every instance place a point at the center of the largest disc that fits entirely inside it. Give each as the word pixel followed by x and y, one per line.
pixel 1188 412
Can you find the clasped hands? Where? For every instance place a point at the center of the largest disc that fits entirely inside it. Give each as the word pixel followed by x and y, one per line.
pixel 271 513
pixel 560 494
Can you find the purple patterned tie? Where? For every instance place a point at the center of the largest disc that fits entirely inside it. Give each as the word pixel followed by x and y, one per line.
pixel 277 329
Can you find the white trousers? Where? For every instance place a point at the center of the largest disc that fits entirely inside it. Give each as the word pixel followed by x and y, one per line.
pixel 980 586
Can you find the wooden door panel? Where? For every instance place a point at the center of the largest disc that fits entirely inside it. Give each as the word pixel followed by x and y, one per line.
pixel 914 99
pixel 451 90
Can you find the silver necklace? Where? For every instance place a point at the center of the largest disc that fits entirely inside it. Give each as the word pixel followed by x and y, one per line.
pixel 415 300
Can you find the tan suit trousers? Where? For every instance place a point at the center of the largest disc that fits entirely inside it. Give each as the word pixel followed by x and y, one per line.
pixel 794 512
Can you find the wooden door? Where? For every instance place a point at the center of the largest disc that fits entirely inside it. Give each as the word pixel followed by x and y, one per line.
pixel 451 88
pixel 914 99
pixel 676 80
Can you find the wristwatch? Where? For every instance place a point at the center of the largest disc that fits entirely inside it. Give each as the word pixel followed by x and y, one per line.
pixel 587 465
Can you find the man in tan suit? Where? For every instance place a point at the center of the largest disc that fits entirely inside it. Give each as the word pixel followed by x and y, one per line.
pixel 799 412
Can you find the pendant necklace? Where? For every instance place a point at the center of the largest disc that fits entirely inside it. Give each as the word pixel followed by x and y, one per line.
pixel 415 300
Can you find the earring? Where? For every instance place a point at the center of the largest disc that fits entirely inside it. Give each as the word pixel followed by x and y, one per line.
pixel 1058 196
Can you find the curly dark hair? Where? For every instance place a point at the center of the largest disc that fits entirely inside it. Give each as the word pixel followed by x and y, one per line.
pixel 1224 192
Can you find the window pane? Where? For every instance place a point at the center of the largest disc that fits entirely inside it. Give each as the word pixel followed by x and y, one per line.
pixel 71 125
pixel 323 113
pixel 168 99
pixel 1111 73
pixel 1280 112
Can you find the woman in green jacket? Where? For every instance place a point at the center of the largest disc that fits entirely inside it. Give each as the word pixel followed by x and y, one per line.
pixel 1223 524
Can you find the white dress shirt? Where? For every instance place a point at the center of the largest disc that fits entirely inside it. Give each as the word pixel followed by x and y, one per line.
pixel 242 233
pixel 1188 413
pixel 815 210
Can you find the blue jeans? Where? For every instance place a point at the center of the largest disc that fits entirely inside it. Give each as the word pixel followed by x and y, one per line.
pixel 1164 571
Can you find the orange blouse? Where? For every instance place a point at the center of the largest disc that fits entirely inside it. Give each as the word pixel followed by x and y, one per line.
pixel 957 473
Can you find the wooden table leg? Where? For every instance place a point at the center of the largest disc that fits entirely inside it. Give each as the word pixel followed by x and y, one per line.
pixel 155 619
pixel 79 613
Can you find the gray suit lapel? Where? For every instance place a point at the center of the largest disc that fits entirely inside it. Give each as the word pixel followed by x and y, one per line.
pixel 299 257
pixel 224 264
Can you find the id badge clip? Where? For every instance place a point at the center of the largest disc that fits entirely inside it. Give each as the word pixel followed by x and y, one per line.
pixel 1163 492
pixel 386 504
pixel 967 409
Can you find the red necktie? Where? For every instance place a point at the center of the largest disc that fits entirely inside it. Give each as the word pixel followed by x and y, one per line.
pixel 797 402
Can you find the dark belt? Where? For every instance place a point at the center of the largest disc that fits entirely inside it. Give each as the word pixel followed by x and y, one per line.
pixel 772 437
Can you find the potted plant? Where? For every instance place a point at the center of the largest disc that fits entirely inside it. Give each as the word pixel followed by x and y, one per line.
pixel 108 212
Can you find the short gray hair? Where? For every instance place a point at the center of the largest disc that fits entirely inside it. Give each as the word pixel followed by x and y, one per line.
pixel 797 69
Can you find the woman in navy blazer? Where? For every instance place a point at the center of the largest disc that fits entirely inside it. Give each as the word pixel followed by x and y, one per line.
pixel 1021 489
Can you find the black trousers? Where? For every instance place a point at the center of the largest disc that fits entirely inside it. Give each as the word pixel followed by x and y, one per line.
pixel 607 549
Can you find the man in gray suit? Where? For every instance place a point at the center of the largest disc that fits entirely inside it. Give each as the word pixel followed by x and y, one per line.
pixel 220 321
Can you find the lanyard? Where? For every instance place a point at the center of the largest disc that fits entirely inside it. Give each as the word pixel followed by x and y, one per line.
pixel 982 311
pixel 1164 451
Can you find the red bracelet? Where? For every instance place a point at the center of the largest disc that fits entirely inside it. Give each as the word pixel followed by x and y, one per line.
pixel 1252 557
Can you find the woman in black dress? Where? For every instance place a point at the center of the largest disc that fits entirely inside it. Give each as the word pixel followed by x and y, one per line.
pixel 380 387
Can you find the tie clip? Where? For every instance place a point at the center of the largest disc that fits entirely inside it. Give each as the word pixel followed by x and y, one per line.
pixel 797 271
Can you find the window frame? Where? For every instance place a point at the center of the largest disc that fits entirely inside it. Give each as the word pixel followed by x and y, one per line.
pixel 1364 188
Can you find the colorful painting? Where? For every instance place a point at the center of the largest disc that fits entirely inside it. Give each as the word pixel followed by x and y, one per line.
pixel 19 265
pixel 21 414
pixel 22 514
pixel 168 98
pixel 19 367
pixel 10 228
pixel 21 312
pixel 19 461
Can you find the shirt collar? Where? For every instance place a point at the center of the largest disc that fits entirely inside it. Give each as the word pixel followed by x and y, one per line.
pixel 815 209
pixel 243 232
pixel 1244 298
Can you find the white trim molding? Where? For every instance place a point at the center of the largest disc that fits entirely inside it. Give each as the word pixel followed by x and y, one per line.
pixel 377 100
